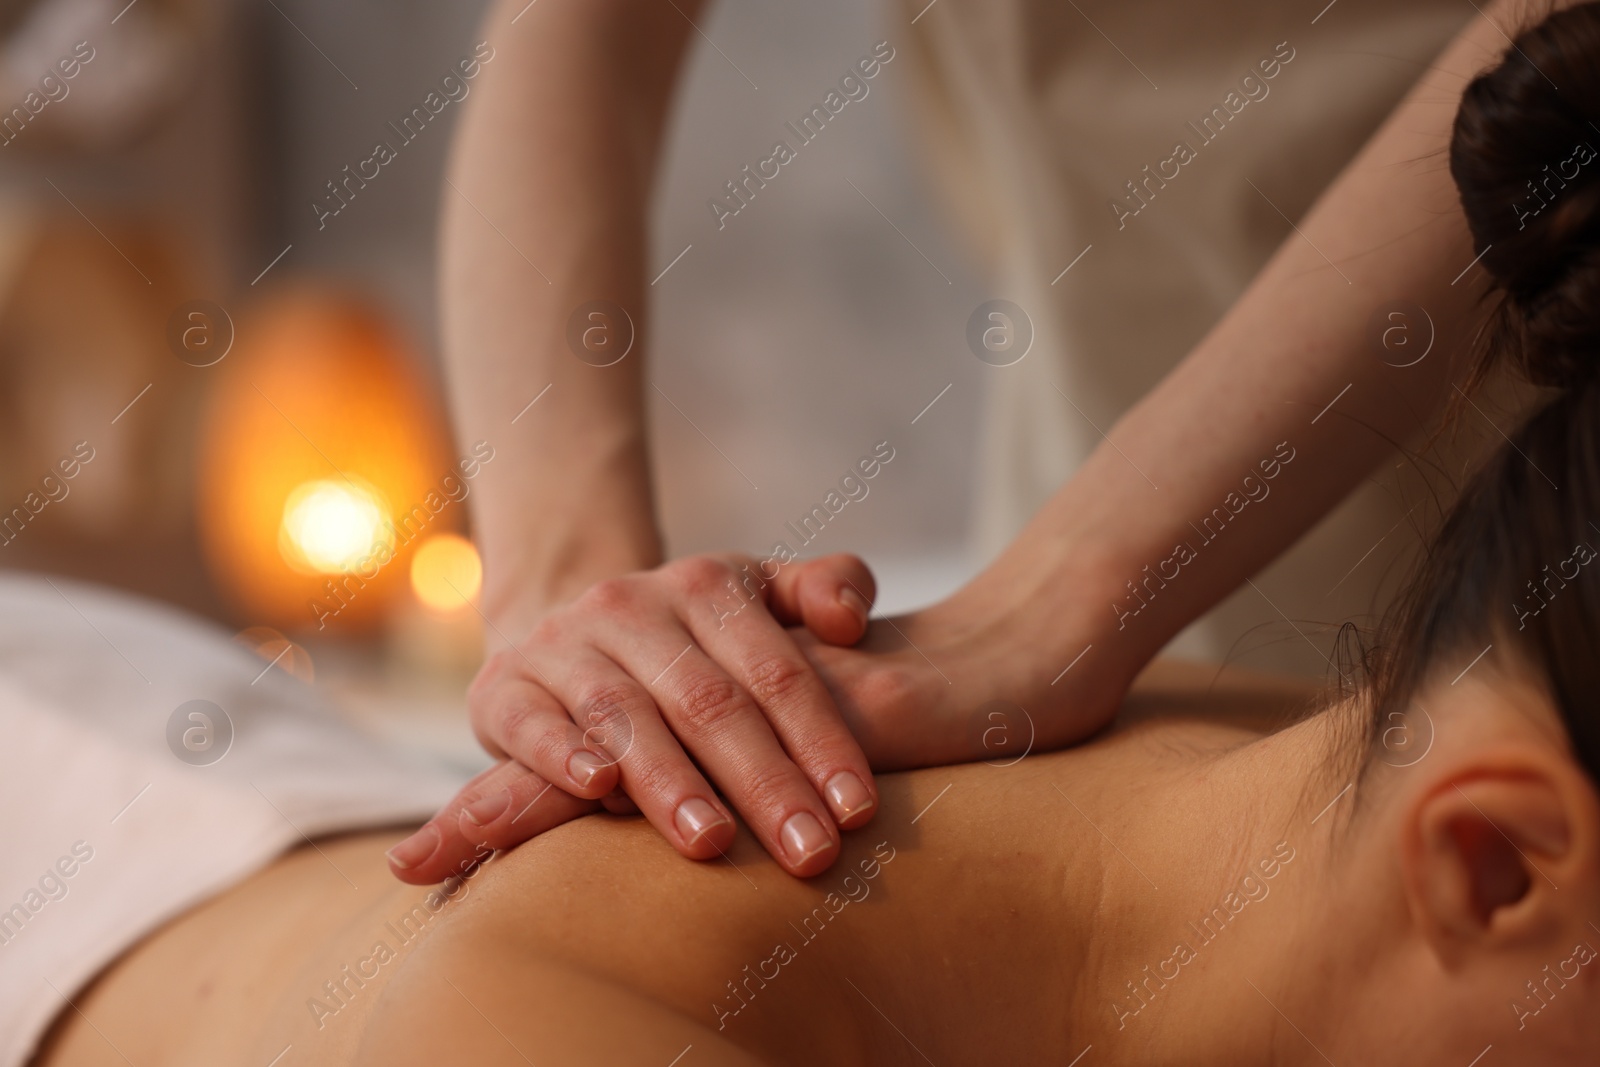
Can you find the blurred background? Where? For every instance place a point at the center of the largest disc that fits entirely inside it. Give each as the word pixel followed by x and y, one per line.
pixel 245 388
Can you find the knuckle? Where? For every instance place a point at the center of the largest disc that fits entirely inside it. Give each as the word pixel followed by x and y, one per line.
pixel 535 740
pixel 481 717
pixel 607 704
pixel 708 701
pixel 524 788
pixel 610 595
pixel 766 788
pixel 550 752
pixel 465 799
pixel 546 631
pixel 655 777
pixel 498 667
pixel 486 740
pixel 606 724
pixel 777 680
pixel 700 574
pixel 899 707
pixel 892 688
pixel 516 725
pixel 480 689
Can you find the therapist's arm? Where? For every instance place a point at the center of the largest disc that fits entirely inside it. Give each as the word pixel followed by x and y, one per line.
pixel 544 210
pixel 1292 365
pixel 611 670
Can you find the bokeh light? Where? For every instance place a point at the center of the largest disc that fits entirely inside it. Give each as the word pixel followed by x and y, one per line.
pixel 277 652
pixel 334 526
pixel 446 572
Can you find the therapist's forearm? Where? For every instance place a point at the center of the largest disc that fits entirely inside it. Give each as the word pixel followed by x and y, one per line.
pixel 546 211
pixel 1392 227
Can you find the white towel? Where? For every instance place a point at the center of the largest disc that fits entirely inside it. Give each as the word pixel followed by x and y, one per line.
pixel 106 832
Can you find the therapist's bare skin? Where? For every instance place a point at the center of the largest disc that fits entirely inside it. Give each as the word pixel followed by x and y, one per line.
pixel 581 691
pixel 1007 910
pixel 575 506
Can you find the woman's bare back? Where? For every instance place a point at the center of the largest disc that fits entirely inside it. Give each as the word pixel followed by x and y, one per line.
pixel 597 942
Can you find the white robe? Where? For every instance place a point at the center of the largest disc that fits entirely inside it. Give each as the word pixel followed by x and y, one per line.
pixel 1040 112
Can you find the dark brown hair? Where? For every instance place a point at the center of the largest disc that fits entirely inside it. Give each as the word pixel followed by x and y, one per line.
pixel 1515 563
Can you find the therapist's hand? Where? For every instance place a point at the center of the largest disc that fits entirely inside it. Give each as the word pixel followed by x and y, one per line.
pixel 991 673
pixel 672 686
pixel 446 845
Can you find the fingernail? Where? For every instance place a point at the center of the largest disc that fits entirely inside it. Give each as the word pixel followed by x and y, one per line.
pixel 416 848
pixel 804 837
pixel 848 795
pixel 855 602
pixel 695 817
pixel 583 765
pixel 485 810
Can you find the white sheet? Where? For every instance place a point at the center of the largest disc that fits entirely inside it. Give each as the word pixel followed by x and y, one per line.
pixel 89 785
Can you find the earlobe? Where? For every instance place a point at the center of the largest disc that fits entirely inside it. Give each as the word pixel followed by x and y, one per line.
pixel 1487 846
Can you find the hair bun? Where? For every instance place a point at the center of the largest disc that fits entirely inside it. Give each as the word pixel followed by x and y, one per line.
pixel 1526 158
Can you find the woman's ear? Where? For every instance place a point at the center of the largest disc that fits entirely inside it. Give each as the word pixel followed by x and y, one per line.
pixel 1499 851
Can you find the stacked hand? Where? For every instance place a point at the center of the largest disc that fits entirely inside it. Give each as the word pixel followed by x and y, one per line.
pixel 681 691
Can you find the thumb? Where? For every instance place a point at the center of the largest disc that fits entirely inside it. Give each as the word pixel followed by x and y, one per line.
pixel 830 596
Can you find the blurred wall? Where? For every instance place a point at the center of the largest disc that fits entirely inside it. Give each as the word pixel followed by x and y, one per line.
pixel 822 319
pixel 128 186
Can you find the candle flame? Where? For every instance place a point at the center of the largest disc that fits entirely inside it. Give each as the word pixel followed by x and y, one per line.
pixel 334 526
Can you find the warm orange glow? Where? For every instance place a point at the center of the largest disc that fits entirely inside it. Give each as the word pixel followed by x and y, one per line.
pixel 331 527
pixel 446 572
pixel 320 429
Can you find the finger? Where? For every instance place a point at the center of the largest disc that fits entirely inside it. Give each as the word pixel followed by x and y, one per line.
pixel 718 721
pixel 518 717
pixel 832 597
pixel 439 848
pixel 624 723
pixel 763 658
pixel 519 809
pixel 619 803
pixel 712 715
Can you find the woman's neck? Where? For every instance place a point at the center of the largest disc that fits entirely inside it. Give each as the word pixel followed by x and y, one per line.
pixel 1210 869
pixel 1113 896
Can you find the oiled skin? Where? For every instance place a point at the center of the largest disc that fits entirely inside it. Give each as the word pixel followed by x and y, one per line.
pixel 597 943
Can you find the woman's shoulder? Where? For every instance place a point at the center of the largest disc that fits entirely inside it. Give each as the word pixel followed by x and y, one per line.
pixel 594 942
pixel 1221 694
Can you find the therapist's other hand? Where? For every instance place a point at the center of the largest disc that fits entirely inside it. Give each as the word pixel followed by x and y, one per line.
pixel 983 675
pixel 664 684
